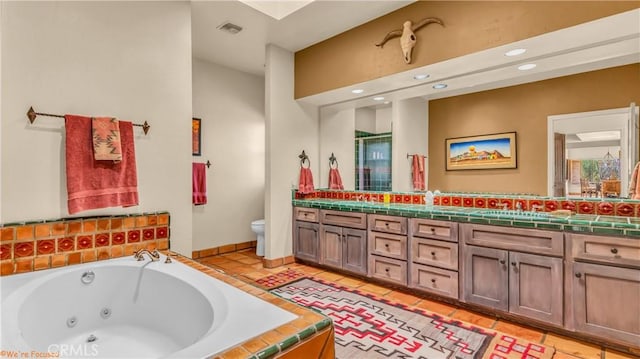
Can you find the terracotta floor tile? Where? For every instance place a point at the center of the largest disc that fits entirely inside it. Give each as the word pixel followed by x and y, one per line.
pixel 375 289
pixel 435 307
pixel 329 276
pixel 474 318
pixel 350 282
pixel 236 256
pixel 402 298
pixel 214 260
pixel 248 260
pixel 561 355
pixel 519 331
pixel 612 354
pixel 573 347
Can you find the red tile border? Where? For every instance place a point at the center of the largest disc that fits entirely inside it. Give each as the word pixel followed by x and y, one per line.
pixel 585 207
pixel 605 209
pixel 46 246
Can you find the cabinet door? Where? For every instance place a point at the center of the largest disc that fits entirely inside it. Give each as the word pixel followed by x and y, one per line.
pixel 486 277
pixel 305 240
pixel 607 301
pixel 535 287
pixel 354 250
pixel 331 246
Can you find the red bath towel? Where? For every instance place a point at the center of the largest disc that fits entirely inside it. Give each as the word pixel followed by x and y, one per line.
pixel 93 184
pixel 418 173
pixel 199 179
pixel 335 181
pixel 305 184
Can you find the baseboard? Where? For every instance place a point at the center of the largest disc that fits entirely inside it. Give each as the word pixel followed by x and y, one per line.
pixel 277 262
pixel 208 252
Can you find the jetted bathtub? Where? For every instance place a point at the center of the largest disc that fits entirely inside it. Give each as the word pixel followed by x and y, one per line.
pixel 123 308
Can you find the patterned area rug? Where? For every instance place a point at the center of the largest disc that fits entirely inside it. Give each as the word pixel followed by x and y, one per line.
pixel 370 327
pixel 278 279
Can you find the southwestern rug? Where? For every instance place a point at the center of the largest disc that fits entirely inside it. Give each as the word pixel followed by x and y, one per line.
pixel 370 327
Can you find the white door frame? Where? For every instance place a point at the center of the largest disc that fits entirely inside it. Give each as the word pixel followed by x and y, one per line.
pixel 613 119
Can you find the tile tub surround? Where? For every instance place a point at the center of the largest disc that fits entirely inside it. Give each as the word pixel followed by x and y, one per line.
pixel 308 336
pixel 620 207
pixel 581 223
pixel 38 245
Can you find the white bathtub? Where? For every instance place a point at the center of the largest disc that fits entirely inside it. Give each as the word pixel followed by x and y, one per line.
pixel 131 309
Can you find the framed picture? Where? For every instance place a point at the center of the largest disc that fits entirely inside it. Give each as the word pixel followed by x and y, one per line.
pixel 481 152
pixel 196 133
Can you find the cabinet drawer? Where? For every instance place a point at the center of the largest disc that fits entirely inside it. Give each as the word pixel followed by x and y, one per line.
pixel 608 250
pixel 344 219
pixel 439 281
pixel 388 269
pixel 519 239
pixel 305 214
pixel 428 228
pixel 388 224
pixel 435 253
pixel 388 245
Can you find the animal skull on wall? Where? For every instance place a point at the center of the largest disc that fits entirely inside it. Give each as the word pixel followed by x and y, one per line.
pixel 408 36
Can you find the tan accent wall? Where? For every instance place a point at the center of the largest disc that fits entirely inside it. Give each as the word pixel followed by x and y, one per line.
pixel 470 26
pixel 523 109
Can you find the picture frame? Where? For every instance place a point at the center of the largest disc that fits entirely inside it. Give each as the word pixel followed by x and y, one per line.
pixel 481 152
pixel 196 133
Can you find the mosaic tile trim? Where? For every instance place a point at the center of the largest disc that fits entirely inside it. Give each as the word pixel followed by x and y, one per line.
pixel 619 207
pixel 37 245
pixel 590 223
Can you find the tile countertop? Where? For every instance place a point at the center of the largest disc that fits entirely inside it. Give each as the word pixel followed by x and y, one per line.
pixel 582 223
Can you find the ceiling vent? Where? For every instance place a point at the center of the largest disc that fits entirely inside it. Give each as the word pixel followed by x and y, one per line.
pixel 230 28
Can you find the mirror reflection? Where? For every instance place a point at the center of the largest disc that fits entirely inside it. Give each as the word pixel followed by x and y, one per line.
pixel 373 146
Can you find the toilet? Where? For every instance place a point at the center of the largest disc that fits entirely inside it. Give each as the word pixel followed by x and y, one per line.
pixel 257 227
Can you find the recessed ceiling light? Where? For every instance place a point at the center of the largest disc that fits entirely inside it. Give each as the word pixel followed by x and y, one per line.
pixel 379 98
pixel 357 91
pixel 420 77
pixel 439 86
pixel 387 102
pixel 515 52
pixel 526 67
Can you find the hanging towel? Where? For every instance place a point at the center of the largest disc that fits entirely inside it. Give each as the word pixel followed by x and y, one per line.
pixel 417 170
pixel 95 184
pixel 634 183
pixel 199 180
pixel 306 181
pixel 335 181
pixel 106 139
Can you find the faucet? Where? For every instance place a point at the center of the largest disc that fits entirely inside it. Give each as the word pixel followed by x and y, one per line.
pixel 155 256
pixel 536 207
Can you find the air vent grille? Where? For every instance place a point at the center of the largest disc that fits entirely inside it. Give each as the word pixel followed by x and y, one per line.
pixel 229 27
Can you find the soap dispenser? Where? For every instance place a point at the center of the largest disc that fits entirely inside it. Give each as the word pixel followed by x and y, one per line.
pixel 428 198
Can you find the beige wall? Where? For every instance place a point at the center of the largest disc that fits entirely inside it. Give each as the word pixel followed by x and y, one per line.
pixel 523 109
pixel 470 26
pixel 131 60
pixel 231 106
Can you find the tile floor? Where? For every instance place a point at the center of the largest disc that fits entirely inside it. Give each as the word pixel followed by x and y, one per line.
pixel 247 266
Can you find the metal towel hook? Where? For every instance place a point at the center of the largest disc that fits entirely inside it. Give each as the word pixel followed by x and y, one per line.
pixel 333 160
pixel 303 157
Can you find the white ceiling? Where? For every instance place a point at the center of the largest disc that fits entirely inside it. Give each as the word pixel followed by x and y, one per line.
pixel 245 51
pixel 603 43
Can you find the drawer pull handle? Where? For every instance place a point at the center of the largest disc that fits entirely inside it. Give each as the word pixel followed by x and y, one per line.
pixel 433 230
pixel 614 250
pixel 578 275
pixel 433 280
pixel 502 261
pixel 386 270
pixel 433 254
pixel 386 224
pixel 305 214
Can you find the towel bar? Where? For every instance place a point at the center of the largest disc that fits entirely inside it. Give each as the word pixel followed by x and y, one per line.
pixel 32 114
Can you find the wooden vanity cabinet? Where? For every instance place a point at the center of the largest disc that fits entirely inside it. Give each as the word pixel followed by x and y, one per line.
pixel 306 232
pixel 503 269
pixel 604 282
pixel 433 264
pixel 388 248
pixel 343 240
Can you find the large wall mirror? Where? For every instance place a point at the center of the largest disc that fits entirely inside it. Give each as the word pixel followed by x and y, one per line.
pixel 373 148
pixel 592 154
